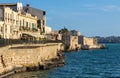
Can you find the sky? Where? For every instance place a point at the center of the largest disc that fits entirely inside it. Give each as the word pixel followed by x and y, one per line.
pixel 90 17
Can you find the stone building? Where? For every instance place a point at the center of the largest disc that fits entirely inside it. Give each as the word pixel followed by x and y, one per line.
pixel 87 43
pixel 16 19
pixel 71 42
pixel 41 16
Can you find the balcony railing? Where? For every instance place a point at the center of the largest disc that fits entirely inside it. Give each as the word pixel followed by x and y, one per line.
pixel 23 28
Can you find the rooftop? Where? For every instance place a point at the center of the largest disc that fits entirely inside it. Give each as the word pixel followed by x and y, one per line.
pixel 7 4
pixel 26 9
pixel 34 11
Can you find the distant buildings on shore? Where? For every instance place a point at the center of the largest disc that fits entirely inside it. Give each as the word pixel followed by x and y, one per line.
pixel 109 39
pixel 74 41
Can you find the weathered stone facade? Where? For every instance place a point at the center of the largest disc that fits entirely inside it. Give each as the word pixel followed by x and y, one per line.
pixel 27 55
pixel 89 43
pixel 71 42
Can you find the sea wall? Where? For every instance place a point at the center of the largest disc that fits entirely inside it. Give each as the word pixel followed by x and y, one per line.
pixel 27 55
pixel 95 46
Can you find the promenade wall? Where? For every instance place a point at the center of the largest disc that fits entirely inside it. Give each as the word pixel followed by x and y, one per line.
pixel 26 55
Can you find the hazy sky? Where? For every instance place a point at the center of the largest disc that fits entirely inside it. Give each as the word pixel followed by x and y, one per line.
pixel 90 17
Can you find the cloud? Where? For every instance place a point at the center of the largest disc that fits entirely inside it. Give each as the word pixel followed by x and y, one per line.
pixel 88 5
pixel 110 8
pixel 106 8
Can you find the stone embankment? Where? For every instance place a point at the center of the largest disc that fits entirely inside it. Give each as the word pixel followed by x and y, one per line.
pixel 97 46
pixel 85 47
pixel 17 58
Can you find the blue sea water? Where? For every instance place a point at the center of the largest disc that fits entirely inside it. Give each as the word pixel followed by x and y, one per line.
pixel 99 63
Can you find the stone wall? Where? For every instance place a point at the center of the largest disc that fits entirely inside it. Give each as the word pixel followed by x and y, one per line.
pixel 74 43
pixel 87 41
pixel 27 55
pixel 71 42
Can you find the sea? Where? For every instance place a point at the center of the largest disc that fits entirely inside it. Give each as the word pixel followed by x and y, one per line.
pixel 97 63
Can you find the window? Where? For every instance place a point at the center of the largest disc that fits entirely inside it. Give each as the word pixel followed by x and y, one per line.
pixel 13 21
pixel 43 22
pixel 20 23
pixel 27 24
pixel 1 29
pixel 39 23
pixel 17 22
pixel 32 25
pixel 23 22
pixel 44 13
pixel 6 28
pixel 43 29
pixel 35 25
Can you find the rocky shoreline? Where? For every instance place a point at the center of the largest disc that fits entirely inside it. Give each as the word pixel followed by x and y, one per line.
pixel 86 47
pixel 57 62
pixel 47 65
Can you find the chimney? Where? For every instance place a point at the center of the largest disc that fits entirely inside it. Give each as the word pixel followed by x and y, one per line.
pixel 27 7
